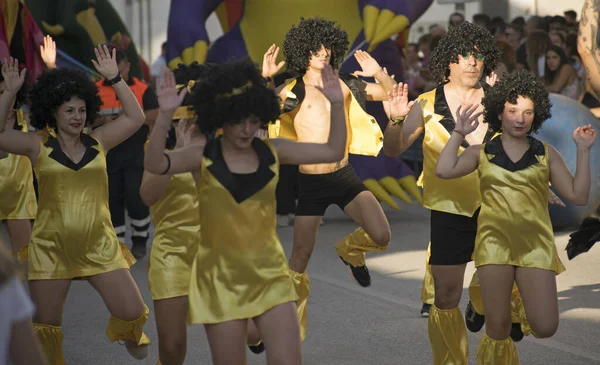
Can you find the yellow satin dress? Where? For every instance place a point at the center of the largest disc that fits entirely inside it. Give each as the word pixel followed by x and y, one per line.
pixel 73 236
pixel 240 270
pixel 514 226
pixel 176 219
pixel 16 187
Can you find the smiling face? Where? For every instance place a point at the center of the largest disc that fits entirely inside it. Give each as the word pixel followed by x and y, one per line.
pixel 468 70
pixel 71 116
pixel 240 135
pixel 320 59
pixel 517 119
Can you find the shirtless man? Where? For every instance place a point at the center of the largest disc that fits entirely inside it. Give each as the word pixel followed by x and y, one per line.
pixel 308 48
pixel 463 56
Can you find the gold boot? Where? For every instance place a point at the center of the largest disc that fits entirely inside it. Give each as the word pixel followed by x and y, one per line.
pixel 352 248
pixel 50 339
pixel 494 352
pixel 302 286
pixel 131 332
pixel 428 289
pixel 448 336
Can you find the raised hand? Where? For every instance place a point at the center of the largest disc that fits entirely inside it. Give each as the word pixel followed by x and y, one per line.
pixel 492 79
pixel 554 199
pixel 262 133
pixel 13 80
pixel 466 121
pixel 186 133
pixel 269 66
pixel 585 136
pixel 368 64
pixel 48 52
pixel 331 86
pixel 105 63
pixel 399 104
pixel 168 99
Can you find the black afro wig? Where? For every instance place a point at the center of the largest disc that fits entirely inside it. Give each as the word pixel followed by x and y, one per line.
pixel 215 106
pixel 465 37
pixel 307 37
pixel 54 88
pixel 507 90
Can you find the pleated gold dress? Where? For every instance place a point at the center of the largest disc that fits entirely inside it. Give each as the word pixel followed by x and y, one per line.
pixel 16 188
pixel 176 219
pixel 240 270
pixel 73 236
pixel 514 226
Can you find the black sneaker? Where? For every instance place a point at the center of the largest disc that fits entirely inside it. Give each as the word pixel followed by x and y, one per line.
pixel 425 310
pixel 516 333
pixel 473 320
pixel 359 273
pixel 138 248
pixel 258 348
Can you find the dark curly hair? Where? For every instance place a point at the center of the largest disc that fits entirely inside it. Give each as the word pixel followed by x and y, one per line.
pixel 215 107
pixel 507 90
pixel 308 36
pixel 54 88
pixel 465 37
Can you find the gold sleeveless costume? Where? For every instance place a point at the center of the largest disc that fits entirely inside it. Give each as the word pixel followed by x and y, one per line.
pixel 240 270
pixel 514 226
pixel 73 236
pixel 16 184
pixel 177 233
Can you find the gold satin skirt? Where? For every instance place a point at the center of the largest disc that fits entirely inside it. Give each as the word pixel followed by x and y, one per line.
pixel 16 188
pixel 170 265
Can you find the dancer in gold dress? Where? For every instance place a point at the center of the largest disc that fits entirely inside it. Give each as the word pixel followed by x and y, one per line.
pixel 240 270
pixel 73 236
pixel 175 215
pixel 514 240
pixel 18 205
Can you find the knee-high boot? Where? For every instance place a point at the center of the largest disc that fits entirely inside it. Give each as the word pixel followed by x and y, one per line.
pixel 495 352
pixel 50 339
pixel 448 336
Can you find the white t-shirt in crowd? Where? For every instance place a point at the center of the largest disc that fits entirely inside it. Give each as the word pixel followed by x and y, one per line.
pixel 15 306
pixel 158 67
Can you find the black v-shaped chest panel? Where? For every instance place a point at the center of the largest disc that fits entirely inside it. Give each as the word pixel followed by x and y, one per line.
pixel 256 182
pixel 59 156
pixel 495 148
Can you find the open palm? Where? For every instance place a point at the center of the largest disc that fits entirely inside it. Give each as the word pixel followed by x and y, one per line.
pixel 270 66
pixel 168 98
pixel 398 99
pixel 466 119
pixel 105 62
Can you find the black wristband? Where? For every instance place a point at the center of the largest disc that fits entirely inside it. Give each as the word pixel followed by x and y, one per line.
pixel 113 81
pixel 168 164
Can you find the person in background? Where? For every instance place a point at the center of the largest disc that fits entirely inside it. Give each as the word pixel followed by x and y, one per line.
pixel 570 16
pixel 159 65
pixel 560 77
pixel 125 162
pixel 455 19
pixel 514 35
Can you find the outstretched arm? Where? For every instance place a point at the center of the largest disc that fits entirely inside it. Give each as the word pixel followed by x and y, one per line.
pixel 450 165
pixel 11 140
pixel 587 42
pixel 575 189
pixel 156 160
pixel 406 122
pixel 298 153
pixel 115 132
pixel 370 68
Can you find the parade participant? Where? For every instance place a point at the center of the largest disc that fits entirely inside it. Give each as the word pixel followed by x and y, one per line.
pixel 515 241
pixel 72 236
pixel 464 56
pixel 18 204
pixel 240 271
pixel 309 47
pixel 125 162
pixel 175 215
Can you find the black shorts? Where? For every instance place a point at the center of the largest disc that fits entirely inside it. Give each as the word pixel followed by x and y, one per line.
pixel 452 238
pixel 316 192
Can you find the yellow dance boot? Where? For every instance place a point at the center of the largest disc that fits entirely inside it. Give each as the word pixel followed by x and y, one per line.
pixel 428 290
pixel 494 352
pixel 131 332
pixel 302 286
pixel 351 249
pixel 50 339
pixel 448 336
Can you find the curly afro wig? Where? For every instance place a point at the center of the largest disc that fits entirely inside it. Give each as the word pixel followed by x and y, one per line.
pixel 54 88
pixel 507 90
pixel 230 93
pixel 465 37
pixel 307 37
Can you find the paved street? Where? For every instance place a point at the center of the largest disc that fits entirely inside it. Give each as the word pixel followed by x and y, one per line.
pixel 350 325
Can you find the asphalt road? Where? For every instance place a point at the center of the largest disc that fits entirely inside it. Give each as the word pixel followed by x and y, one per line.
pixel 351 325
